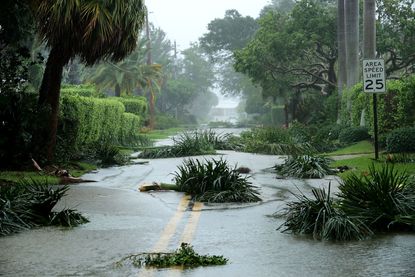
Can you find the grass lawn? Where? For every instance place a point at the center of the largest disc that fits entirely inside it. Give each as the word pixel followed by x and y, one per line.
pixel 76 169
pixel 17 176
pixel 163 134
pixel 362 147
pixel 361 165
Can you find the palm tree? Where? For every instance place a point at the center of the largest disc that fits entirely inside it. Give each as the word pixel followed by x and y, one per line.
pixel 341 46
pixel 352 41
pixel 92 30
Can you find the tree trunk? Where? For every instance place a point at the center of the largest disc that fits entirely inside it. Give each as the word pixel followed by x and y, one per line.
pixel 369 29
pixel 49 95
pixel 286 115
pixel 352 41
pixel 117 90
pixel 341 47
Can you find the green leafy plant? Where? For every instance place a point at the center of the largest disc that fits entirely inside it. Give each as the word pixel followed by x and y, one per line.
pixel 274 141
pixel 214 181
pixel 384 198
pixel 401 141
pixel 191 144
pixel 67 218
pixel 305 166
pixel 30 203
pixel 353 134
pixel 321 218
pixel 110 155
pixel 185 256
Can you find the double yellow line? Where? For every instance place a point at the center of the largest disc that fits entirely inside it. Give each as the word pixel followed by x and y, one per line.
pixel 171 227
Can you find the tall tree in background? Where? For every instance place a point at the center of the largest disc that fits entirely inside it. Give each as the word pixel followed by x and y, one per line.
pixel 396 36
pixel 352 41
pixel 341 46
pixel 127 76
pixel 90 29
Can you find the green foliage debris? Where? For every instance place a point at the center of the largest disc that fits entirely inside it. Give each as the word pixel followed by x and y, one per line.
pixel 185 256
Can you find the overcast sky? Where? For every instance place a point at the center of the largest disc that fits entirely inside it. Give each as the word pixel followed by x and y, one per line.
pixel 186 20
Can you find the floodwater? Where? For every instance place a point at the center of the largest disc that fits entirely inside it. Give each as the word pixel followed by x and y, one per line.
pixel 125 221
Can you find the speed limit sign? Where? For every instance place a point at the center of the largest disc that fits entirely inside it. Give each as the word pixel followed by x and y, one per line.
pixel 374 76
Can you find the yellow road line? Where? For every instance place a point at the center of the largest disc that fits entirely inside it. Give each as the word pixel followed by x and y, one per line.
pixel 170 230
pixel 191 226
pixel 167 234
pixel 171 227
pixel 188 234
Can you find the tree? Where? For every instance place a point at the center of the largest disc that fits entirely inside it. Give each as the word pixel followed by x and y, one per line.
pixel 129 75
pixel 227 34
pixel 352 41
pixel 396 35
pixel 92 30
pixel 341 46
pixel 293 53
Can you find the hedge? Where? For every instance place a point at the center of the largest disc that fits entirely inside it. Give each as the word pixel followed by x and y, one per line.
pixel 401 141
pixel 87 122
pixel 134 105
pixel 395 108
pixel 86 90
pixel 353 134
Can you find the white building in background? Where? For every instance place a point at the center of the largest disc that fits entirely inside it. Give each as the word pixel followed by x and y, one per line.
pixel 224 114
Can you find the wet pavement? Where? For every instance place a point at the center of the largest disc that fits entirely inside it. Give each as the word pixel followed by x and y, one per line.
pixel 125 221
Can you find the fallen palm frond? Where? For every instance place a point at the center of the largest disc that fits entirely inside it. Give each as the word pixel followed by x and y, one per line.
pixel 191 144
pixel 273 141
pixel 184 256
pixel 384 198
pixel 214 181
pixel 305 166
pixel 30 203
pixel 321 218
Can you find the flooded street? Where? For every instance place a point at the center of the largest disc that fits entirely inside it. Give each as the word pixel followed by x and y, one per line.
pixel 125 221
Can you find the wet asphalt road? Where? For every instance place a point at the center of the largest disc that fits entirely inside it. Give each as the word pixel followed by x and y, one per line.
pixel 125 221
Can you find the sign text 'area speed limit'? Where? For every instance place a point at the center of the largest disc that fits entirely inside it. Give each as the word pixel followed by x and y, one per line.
pixel 374 76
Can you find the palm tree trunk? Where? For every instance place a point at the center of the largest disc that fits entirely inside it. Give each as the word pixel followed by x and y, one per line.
pixel 49 95
pixel 369 29
pixel 341 46
pixel 352 41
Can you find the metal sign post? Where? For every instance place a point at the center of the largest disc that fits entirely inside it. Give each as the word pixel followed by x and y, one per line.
pixel 374 82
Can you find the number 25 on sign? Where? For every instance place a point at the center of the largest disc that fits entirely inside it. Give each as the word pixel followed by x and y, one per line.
pixel 374 76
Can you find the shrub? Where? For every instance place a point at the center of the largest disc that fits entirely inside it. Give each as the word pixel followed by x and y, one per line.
pixel 305 166
pixel 401 140
pixel 86 122
pixel 191 144
pixel 30 204
pixel 163 122
pixel 353 134
pixel 110 155
pixel 86 90
pixel 134 105
pixel 320 218
pixel 214 181
pixel 384 199
pixel 395 108
pixel 274 141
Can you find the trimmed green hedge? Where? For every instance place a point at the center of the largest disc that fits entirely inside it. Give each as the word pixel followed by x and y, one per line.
pixel 86 90
pixel 401 141
pixel 134 105
pixel 87 122
pixel 353 134
pixel 395 108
